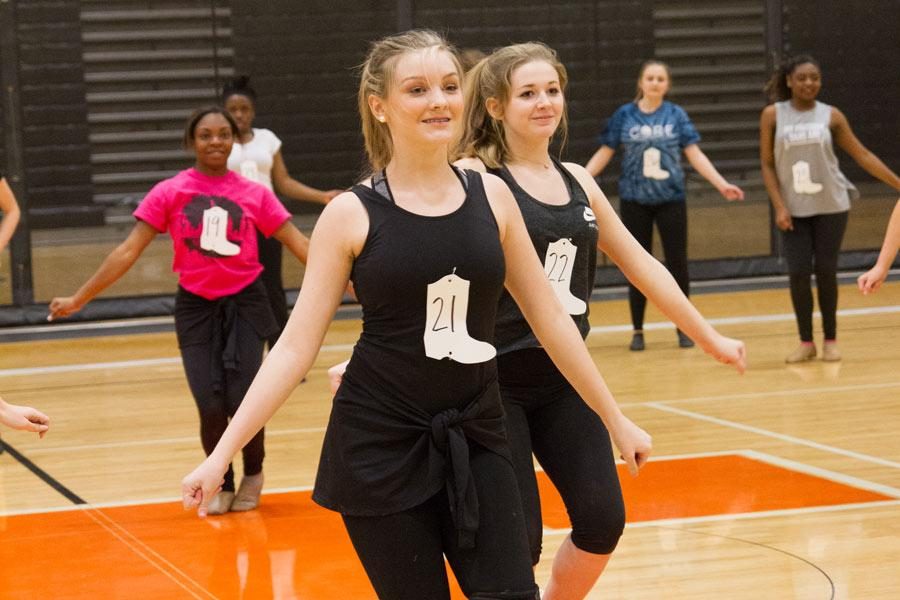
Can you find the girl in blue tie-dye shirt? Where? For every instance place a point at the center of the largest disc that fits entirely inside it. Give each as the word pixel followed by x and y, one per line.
pixel 653 132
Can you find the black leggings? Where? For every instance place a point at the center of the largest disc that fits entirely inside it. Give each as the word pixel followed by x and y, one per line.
pixel 217 408
pixel 545 415
pixel 403 553
pixel 813 247
pixel 671 220
pixel 270 253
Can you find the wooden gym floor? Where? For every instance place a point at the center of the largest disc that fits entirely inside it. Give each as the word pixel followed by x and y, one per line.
pixel 783 483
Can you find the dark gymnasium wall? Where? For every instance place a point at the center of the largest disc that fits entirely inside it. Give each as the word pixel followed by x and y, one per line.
pixel 301 56
pixel 53 114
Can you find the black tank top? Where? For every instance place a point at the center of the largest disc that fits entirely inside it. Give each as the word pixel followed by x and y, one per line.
pixel 565 237
pixel 423 370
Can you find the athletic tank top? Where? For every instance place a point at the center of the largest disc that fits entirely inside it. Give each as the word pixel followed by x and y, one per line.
pixel 808 172
pixel 422 380
pixel 565 238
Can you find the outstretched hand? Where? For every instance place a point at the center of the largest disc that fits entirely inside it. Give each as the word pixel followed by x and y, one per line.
pixel 729 351
pixel 62 307
pixel 201 485
pixel 24 418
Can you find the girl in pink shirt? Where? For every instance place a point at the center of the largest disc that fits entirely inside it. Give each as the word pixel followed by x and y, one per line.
pixel 221 308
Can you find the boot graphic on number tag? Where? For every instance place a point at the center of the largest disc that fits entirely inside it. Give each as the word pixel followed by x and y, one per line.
pixel 446 332
pixel 558 265
pixel 803 183
pixel 652 168
pixel 213 235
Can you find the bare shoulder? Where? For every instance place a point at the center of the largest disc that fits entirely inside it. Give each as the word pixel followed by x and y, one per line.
pixel 768 114
pixel 587 181
pixel 494 186
pixel 500 198
pixel 344 219
pixel 344 205
pixel 838 118
pixel 578 171
pixel 472 163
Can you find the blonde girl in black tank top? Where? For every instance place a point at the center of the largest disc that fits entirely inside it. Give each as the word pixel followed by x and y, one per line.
pixel 515 105
pixel 411 108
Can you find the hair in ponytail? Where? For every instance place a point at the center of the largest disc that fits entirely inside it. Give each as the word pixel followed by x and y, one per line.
pixel 239 86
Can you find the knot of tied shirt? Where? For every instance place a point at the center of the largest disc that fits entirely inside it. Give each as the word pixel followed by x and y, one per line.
pixel 451 431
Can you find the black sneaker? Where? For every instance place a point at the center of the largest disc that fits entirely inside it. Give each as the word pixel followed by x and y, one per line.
pixel 637 342
pixel 683 340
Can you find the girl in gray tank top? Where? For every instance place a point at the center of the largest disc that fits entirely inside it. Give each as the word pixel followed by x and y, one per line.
pixel 810 195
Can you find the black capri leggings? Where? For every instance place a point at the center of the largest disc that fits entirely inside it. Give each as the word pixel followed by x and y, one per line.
pixel 671 220
pixel 403 553
pixel 811 247
pixel 545 415
pixel 217 408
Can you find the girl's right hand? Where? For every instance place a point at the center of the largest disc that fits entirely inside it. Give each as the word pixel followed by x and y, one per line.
pixel 634 444
pixel 62 307
pixel 728 351
pixel 199 487
pixel 783 219
pixel 24 418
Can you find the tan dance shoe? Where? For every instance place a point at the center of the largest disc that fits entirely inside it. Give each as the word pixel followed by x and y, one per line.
pixel 247 497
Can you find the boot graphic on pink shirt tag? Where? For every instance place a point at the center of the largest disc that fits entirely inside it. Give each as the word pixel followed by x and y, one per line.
pixel 446 332
pixel 558 265
pixel 213 236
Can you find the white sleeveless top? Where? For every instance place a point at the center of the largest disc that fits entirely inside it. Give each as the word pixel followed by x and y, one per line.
pixel 808 172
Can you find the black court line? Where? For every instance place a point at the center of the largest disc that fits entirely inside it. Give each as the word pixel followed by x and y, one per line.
pixel 42 474
pixel 832 589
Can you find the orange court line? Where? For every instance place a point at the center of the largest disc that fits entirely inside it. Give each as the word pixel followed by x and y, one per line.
pixel 292 548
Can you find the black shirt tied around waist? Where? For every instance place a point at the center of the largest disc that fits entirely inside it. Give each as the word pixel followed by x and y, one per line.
pixel 451 431
pixel 202 321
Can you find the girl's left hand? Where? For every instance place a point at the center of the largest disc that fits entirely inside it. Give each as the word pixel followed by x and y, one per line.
pixel 732 192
